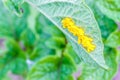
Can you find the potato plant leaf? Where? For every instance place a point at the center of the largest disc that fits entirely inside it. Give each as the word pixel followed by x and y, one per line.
pixel 7 20
pixel 13 60
pixel 110 7
pixel 56 10
pixel 57 43
pixel 72 53
pixel 53 68
pixel 14 6
pixel 28 38
pixel 94 73
pixel 114 40
pixel 107 25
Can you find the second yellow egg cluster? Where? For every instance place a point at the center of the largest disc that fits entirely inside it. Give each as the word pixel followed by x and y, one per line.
pixel 83 39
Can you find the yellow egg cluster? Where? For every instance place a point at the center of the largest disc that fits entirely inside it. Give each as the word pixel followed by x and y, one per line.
pixel 83 39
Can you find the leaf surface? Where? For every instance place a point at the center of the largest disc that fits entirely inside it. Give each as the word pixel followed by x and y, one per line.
pixel 53 68
pixel 114 40
pixel 110 7
pixel 56 10
pixel 94 73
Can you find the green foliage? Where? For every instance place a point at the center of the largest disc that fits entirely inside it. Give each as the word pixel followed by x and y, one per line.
pixel 50 42
pixel 37 47
pixel 14 59
pixel 40 51
pixel 72 53
pixel 107 26
pixel 94 73
pixel 114 39
pixel 28 38
pixel 10 25
pixel 56 43
pixel 111 8
pixel 52 68
pixel 14 6
pixel 19 66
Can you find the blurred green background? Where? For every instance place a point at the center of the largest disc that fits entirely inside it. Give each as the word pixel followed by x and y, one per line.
pixel 29 45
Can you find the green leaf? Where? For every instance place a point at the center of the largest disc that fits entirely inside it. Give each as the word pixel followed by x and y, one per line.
pixel 14 49
pixel 72 53
pixel 52 68
pixel 49 28
pixel 54 31
pixel 19 66
pixel 16 65
pixel 56 43
pixel 28 38
pixel 15 30
pixel 3 69
pixel 107 26
pixel 94 73
pixel 13 59
pixel 32 18
pixel 56 10
pixel 14 6
pixel 41 50
pixel 110 7
pixel 114 40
